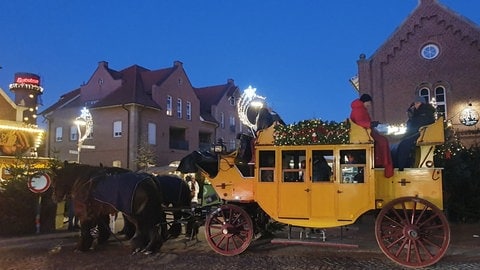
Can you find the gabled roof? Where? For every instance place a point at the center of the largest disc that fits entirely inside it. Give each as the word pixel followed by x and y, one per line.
pixel 212 95
pixel 8 99
pixel 136 87
pixel 64 99
pixel 429 10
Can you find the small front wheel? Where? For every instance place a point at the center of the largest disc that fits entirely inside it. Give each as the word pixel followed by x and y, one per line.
pixel 229 230
pixel 412 232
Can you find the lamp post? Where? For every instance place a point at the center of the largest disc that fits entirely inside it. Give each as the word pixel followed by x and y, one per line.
pixel 84 120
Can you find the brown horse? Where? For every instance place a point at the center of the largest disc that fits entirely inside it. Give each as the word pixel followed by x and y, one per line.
pixel 97 192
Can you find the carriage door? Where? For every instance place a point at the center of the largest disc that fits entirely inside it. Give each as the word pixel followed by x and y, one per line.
pixel 294 185
pixel 353 188
pixel 323 189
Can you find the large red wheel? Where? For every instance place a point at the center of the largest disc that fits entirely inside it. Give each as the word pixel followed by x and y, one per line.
pixel 229 230
pixel 412 232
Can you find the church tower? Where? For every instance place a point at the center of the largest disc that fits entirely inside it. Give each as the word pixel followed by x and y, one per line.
pixel 27 91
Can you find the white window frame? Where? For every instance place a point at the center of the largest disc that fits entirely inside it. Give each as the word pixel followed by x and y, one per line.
pixel 441 103
pixel 59 134
pixel 425 93
pixel 73 133
pixel 169 109
pixel 179 108
pixel 189 110
pixel 152 133
pixel 117 129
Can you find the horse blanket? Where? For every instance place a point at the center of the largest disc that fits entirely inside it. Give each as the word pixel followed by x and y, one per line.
pixel 118 190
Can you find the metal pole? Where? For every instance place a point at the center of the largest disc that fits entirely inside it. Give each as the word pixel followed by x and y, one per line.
pixel 37 217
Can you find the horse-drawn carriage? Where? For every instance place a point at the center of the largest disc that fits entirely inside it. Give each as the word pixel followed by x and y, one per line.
pixel 267 181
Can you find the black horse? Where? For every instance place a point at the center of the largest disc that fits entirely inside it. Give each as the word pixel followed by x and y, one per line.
pixel 99 191
pixel 176 199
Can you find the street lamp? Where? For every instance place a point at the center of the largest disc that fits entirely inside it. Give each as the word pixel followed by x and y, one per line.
pixel 84 120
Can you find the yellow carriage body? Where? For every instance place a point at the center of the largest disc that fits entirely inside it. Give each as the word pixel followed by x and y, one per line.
pixel 291 194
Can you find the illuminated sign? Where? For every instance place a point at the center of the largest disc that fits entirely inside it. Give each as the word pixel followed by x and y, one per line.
pixel 27 78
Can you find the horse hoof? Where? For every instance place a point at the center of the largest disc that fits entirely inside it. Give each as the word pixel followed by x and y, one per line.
pixel 147 252
pixel 135 251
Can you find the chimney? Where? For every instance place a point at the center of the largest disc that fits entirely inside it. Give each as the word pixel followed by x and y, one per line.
pixel 103 64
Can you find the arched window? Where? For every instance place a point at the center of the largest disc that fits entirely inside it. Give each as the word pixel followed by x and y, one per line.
pixel 425 93
pixel 441 101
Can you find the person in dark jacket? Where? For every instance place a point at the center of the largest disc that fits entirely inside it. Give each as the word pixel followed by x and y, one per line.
pixel 361 117
pixel 420 114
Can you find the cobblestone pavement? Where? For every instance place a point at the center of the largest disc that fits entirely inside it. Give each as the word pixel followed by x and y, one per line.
pixel 55 251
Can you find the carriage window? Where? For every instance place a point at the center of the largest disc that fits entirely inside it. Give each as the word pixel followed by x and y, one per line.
pixel 266 163
pixel 322 164
pixel 353 165
pixel 293 165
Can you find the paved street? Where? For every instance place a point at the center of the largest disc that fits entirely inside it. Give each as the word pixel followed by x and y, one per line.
pixel 55 251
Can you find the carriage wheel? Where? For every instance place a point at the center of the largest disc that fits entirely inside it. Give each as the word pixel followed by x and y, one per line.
pixel 412 232
pixel 229 230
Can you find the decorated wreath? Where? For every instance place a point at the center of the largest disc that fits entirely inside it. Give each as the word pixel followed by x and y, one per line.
pixel 313 131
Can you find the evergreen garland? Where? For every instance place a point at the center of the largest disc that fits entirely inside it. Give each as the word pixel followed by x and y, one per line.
pixel 313 131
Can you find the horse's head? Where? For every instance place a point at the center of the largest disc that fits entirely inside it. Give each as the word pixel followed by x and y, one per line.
pixel 62 181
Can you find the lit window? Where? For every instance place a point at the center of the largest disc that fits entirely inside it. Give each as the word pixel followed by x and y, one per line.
pixel 117 163
pixel 117 129
pixel 169 106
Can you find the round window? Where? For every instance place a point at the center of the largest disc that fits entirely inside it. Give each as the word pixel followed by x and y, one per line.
pixel 430 51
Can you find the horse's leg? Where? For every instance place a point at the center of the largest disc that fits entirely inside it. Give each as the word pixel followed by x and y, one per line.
pixel 128 228
pixel 103 228
pixel 176 228
pixel 86 239
pixel 137 241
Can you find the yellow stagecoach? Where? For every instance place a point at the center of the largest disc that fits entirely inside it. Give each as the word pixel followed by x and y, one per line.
pixel 263 180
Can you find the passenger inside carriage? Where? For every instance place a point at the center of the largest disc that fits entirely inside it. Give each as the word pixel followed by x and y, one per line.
pixel 353 166
pixel 321 171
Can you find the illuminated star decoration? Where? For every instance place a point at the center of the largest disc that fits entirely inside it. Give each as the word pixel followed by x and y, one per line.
pixel 248 99
pixel 88 121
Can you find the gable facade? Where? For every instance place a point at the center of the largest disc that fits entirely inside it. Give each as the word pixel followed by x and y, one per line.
pixel 435 53
pixel 131 109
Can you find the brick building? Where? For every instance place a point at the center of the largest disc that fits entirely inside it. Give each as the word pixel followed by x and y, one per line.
pixel 434 53
pixel 140 108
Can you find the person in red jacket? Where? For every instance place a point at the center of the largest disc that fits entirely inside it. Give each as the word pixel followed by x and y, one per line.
pixel 361 117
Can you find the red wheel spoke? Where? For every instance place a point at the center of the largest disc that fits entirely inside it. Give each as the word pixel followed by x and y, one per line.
pixel 412 232
pixel 229 230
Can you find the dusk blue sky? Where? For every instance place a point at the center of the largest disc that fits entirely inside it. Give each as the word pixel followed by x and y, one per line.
pixel 299 54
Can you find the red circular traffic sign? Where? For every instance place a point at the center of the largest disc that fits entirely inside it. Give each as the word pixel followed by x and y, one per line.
pixel 39 183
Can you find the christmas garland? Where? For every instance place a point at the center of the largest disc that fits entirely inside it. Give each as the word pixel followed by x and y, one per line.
pixel 313 131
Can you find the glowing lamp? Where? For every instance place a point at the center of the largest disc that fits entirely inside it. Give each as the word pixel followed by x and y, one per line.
pixel 469 116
